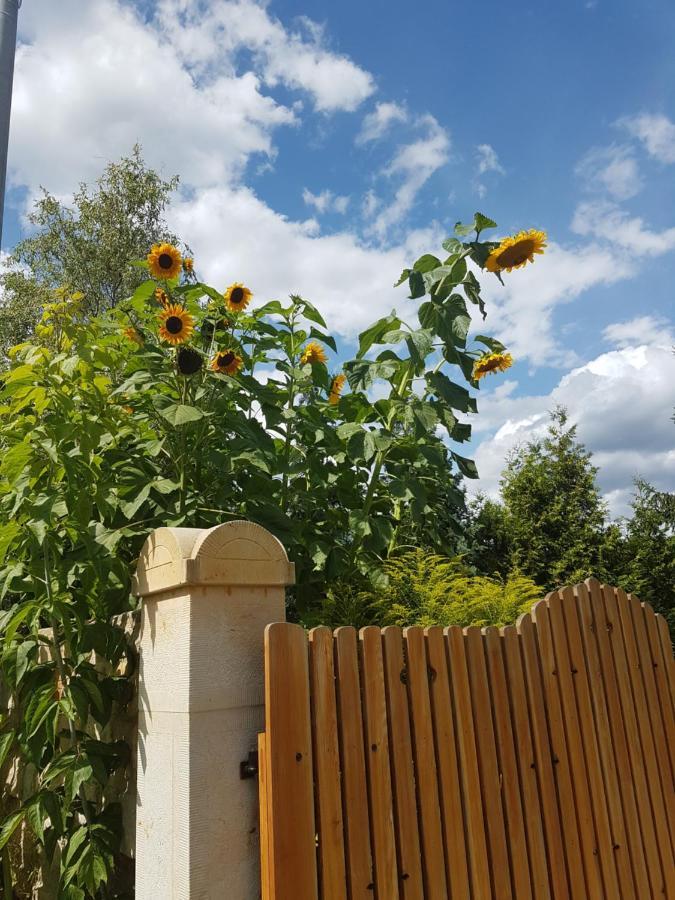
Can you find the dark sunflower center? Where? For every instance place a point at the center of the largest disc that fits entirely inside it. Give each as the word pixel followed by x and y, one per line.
pixel 519 253
pixel 225 359
pixel 189 362
pixel 174 325
pixel 165 261
pixel 237 295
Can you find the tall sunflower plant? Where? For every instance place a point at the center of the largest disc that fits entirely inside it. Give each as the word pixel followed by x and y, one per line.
pixel 190 405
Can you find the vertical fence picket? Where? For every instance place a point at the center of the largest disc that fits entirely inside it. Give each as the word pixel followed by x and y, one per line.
pixel 377 762
pixel 466 739
pixel 646 666
pixel 594 685
pixel 354 781
pixel 290 775
pixel 661 675
pixel 524 749
pixel 403 773
pixel 328 800
pixel 648 753
pixel 491 786
pixel 428 799
pixel 508 766
pixel 447 755
pixel 568 622
pixel 629 716
pixel 559 747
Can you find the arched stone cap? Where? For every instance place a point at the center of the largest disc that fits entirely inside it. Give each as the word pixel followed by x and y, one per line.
pixel 235 553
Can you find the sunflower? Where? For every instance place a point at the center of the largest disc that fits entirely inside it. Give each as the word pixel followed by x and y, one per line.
pixel 336 386
pixel 161 296
pixel 516 251
pixel 188 361
pixel 132 335
pixel 313 353
pixel 491 362
pixel 176 324
pixel 164 261
pixel 188 265
pixel 237 297
pixel 227 361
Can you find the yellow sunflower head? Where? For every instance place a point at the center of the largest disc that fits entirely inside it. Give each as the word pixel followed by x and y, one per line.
pixel 175 324
pixel 491 362
pixel 227 361
pixel 132 335
pixel 188 265
pixel 164 261
pixel 313 353
pixel 336 389
pixel 162 297
pixel 237 297
pixel 514 252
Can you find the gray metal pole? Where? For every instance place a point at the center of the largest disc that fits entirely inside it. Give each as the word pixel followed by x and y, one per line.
pixel 9 11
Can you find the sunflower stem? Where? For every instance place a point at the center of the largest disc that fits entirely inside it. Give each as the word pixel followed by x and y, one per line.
pixel 291 401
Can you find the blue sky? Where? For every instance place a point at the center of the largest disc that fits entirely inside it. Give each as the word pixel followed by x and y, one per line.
pixel 321 146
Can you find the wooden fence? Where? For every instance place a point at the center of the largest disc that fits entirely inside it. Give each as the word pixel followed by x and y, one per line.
pixel 534 761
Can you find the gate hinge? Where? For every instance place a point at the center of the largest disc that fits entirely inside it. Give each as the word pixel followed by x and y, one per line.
pixel 248 768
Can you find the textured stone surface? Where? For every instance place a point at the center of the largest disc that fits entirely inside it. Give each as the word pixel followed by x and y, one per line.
pixel 207 597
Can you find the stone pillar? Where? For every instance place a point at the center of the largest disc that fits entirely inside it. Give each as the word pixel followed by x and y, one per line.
pixel 207 596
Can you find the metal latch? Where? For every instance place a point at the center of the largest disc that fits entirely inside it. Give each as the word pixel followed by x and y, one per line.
pixel 248 768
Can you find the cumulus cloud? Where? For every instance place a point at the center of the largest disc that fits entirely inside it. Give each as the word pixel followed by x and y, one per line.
pixel 378 122
pixel 521 312
pixel 413 165
pixel 611 169
pixel 608 221
pixel 486 161
pixel 326 201
pixel 656 132
pixel 91 79
pixel 208 35
pixel 621 403
pixel 238 237
pixel 652 330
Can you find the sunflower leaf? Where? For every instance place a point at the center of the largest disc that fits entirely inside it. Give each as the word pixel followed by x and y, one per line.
pixel 178 414
pixel 482 222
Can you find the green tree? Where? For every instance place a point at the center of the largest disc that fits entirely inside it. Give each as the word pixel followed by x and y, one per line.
pixel 646 558
pixel 488 537
pixel 86 246
pixel 555 513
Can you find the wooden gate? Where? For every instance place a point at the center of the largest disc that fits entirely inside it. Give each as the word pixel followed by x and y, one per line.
pixel 535 761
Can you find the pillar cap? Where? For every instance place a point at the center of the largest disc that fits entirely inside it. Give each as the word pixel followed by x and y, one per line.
pixel 234 553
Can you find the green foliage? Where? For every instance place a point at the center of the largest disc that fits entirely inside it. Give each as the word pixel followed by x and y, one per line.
pixel 488 537
pixel 423 588
pixel 106 435
pixel 85 246
pixel 554 512
pixel 644 560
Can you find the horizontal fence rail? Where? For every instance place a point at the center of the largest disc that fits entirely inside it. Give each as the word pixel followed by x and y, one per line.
pixel 533 761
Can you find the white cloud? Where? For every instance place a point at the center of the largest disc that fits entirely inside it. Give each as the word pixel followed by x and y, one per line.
pixel 211 34
pixel 378 122
pixel 487 159
pixel 521 313
pixel 652 330
pixel 609 222
pixel 621 402
pixel 613 169
pixel 237 237
pixel 326 201
pixel 92 79
pixel 656 132
pixel 414 164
